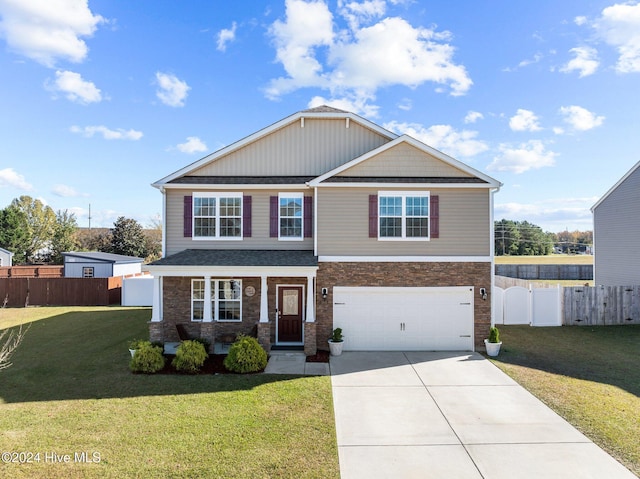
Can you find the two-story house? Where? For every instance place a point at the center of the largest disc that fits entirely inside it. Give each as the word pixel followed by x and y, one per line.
pixel 322 220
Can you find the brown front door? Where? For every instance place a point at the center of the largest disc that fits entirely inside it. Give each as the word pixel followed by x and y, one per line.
pixel 289 314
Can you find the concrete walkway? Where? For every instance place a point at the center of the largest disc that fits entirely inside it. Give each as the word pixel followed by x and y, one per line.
pixel 293 362
pixel 451 415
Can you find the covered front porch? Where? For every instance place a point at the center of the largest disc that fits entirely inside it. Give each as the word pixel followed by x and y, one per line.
pixel 217 294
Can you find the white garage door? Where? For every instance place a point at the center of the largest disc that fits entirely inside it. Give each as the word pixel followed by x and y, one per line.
pixel 404 319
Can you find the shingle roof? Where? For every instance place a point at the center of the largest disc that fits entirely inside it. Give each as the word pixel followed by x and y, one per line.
pixel 324 109
pixel 403 179
pixel 225 257
pixel 242 180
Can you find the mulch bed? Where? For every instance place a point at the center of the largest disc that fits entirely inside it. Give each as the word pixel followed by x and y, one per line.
pixel 319 357
pixel 214 364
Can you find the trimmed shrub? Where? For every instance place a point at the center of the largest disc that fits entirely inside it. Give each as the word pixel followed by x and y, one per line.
pixel 246 356
pixel 190 356
pixel 147 359
pixel 494 335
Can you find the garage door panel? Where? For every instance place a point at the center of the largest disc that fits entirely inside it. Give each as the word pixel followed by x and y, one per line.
pixel 387 318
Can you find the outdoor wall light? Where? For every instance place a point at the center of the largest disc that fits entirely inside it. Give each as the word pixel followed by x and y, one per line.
pixel 483 293
pixel 325 292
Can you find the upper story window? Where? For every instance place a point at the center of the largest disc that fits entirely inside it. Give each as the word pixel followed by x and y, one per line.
pixel 290 216
pixel 403 215
pixel 217 215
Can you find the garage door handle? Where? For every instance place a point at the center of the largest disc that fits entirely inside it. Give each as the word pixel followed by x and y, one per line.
pixel 465 335
pixel 339 303
pixel 465 304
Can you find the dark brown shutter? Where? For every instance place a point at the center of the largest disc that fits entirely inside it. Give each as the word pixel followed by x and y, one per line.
pixel 373 216
pixel 246 216
pixel 273 216
pixel 188 217
pixel 308 216
pixel 435 216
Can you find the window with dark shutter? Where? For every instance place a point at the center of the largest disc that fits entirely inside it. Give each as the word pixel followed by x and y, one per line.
pixel 434 217
pixel 188 215
pixel 246 216
pixel 308 216
pixel 373 216
pixel 273 216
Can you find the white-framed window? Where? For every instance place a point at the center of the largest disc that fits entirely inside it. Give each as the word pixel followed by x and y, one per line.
pixel 217 215
pixel 403 215
pixel 290 216
pixel 226 299
pixel 87 272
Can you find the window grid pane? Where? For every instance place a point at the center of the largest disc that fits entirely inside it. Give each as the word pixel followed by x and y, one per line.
pixel 390 216
pixel 217 217
pixel 403 216
pixel 291 217
pixel 229 299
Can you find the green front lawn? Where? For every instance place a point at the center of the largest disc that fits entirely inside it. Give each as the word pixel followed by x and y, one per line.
pixel 70 392
pixel 588 375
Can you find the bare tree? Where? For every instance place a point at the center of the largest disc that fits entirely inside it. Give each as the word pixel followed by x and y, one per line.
pixel 10 339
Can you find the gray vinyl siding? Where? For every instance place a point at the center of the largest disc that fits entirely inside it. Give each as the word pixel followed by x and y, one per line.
pixel 323 144
pixel 404 160
pixel 343 224
pixel 616 235
pixel 260 239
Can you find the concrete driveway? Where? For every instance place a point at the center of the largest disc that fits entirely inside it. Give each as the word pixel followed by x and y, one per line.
pixel 451 415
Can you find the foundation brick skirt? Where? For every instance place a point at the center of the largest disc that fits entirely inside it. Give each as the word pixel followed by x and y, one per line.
pixel 264 336
pixel 310 346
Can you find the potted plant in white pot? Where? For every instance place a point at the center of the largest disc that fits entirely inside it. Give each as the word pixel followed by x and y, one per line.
pixel 493 343
pixel 133 345
pixel 336 342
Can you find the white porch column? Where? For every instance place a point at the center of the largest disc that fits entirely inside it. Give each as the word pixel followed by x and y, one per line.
pixel 207 313
pixel 311 317
pixel 264 301
pixel 156 302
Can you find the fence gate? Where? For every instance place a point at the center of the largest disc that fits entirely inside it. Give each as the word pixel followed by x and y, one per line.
pixel 535 306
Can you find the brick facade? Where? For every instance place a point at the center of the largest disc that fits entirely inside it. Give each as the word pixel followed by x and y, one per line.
pixel 404 274
pixel 177 300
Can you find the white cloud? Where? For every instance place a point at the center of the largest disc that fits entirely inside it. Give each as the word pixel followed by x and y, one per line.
pixel 192 145
pixel 580 118
pixel 66 191
pixel 527 156
pixel 524 120
pixel 442 137
pixel 526 62
pixel 107 134
pixel 225 36
pixel 581 20
pixel 358 60
pixel 75 88
pixel 406 104
pixel 171 90
pixel 553 214
pixel 585 61
pixel 357 104
pixel 11 178
pixel 619 26
pixel 473 116
pixel 356 13
pixel 48 30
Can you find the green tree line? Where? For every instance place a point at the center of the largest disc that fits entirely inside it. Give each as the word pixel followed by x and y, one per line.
pixel 34 233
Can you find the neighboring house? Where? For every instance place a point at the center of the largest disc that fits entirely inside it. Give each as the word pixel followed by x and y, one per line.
pixel 616 228
pixel 100 265
pixel 322 220
pixel 6 257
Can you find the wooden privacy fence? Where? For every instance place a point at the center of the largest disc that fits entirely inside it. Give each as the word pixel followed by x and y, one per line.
pixel 601 305
pixel 19 292
pixel 34 271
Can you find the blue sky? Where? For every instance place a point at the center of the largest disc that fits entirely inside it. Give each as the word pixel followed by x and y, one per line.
pixel 101 98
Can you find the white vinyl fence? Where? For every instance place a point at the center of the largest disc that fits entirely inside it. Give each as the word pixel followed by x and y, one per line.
pixel 137 291
pixel 534 306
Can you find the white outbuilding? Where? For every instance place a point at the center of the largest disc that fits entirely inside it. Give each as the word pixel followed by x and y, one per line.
pixel 6 257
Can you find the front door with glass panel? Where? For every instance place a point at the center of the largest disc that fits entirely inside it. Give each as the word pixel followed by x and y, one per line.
pixel 289 328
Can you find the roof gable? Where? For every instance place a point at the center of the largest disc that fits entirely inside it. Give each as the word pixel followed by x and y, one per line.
pixel 406 157
pixel 309 142
pixel 104 257
pixel 631 172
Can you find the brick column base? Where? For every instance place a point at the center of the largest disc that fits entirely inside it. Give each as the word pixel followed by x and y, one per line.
pixel 208 332
pixel 310 344
pixel 156 331
pixel 264 336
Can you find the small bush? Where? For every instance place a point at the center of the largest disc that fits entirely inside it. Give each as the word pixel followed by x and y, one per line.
pixel 246 356
pixel 190 357
pixel 147 359
pixel 494 335
pixel 135 343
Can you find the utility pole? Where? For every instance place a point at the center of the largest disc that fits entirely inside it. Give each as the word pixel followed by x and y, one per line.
pixel 89 216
